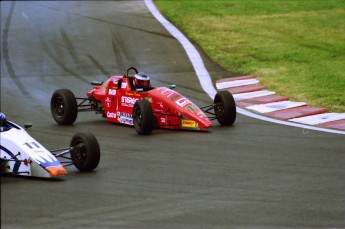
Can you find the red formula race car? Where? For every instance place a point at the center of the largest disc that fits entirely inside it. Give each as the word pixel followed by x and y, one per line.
pixel 131 100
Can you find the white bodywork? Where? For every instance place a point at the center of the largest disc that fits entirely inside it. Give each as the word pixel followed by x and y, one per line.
pixel 25 156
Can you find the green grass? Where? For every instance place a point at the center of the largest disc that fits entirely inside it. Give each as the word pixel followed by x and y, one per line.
pixel 296 48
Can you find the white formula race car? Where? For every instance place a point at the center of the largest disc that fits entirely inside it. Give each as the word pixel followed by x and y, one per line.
pixel 23 155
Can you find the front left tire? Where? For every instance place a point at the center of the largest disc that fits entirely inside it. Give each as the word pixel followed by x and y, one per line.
pixel 86 152
pixel 143 117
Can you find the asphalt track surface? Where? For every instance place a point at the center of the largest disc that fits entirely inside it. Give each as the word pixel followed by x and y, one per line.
pixel 254 174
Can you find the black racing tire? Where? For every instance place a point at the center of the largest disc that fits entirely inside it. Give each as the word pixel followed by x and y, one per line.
pixel 86 153
pixel 225 108
pixel 3 166
pixel 143 117
pixel 63 106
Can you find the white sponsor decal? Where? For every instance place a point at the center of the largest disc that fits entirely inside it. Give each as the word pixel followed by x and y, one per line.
pixel 112 92
pixel 38 153
pixel 128 101
pixel 123 85
pixel 108 101
pixel 111 115
pixel 126 120
pixel 167 92
pixel 182 102
pixel 127 115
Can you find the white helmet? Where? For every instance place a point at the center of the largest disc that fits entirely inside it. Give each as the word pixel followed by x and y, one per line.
pixel 141 80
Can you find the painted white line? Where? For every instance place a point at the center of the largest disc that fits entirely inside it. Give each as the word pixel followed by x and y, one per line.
pixel 24 15
pixel 319 118
pixel 193 54
pixel 276 106
pixel 254 94
pixel 205 79
pixel 236 83
pixel 268 119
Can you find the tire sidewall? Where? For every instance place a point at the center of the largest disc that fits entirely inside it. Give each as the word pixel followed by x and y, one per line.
pixel 229 108
pixel 91 149
pixel 70 107
pixel 145 126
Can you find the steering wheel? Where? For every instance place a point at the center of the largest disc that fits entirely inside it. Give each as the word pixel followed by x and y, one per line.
pixel 131 68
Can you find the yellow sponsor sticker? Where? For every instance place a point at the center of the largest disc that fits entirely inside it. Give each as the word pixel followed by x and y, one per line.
pixel 188 123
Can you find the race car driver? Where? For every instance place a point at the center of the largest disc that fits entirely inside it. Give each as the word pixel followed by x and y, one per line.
pixel 3 123
pixel 142 81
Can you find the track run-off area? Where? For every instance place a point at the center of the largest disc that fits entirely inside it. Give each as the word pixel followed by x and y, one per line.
pixel 304 114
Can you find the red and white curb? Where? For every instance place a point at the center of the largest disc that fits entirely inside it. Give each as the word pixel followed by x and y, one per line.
pixel 244 93
pixel 250 95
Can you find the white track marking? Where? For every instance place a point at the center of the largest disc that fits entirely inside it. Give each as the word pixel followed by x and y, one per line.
pixel 193 54
pixel 204 77
pixel 319 118
pixel 254 94
pixel 236 83
pixel 276 106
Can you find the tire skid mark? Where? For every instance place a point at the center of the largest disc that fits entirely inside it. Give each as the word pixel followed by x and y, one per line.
pixel 118 55
pixel 53 56
pixel 71 50
pixel 127 26
pixel 70 47
pixel 5 51
pixel 73 53
pixel 167 35
pixel 122 53
pixel 45 47
pixel 98 65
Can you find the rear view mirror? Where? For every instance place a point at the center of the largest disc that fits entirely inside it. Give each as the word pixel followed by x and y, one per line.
pixel 27 125
pixel 96 83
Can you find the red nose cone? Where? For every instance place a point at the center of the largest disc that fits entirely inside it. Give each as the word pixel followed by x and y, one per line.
pixel 56 170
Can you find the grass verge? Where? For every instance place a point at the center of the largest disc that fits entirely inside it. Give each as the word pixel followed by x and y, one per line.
pixel 296 48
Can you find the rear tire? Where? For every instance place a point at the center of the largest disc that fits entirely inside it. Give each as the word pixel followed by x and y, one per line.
pixel 86 153
pixel 225 108
pixel 63 106
pixel 143 117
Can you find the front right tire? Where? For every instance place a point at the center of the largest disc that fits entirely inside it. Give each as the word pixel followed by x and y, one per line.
pixel 225 108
